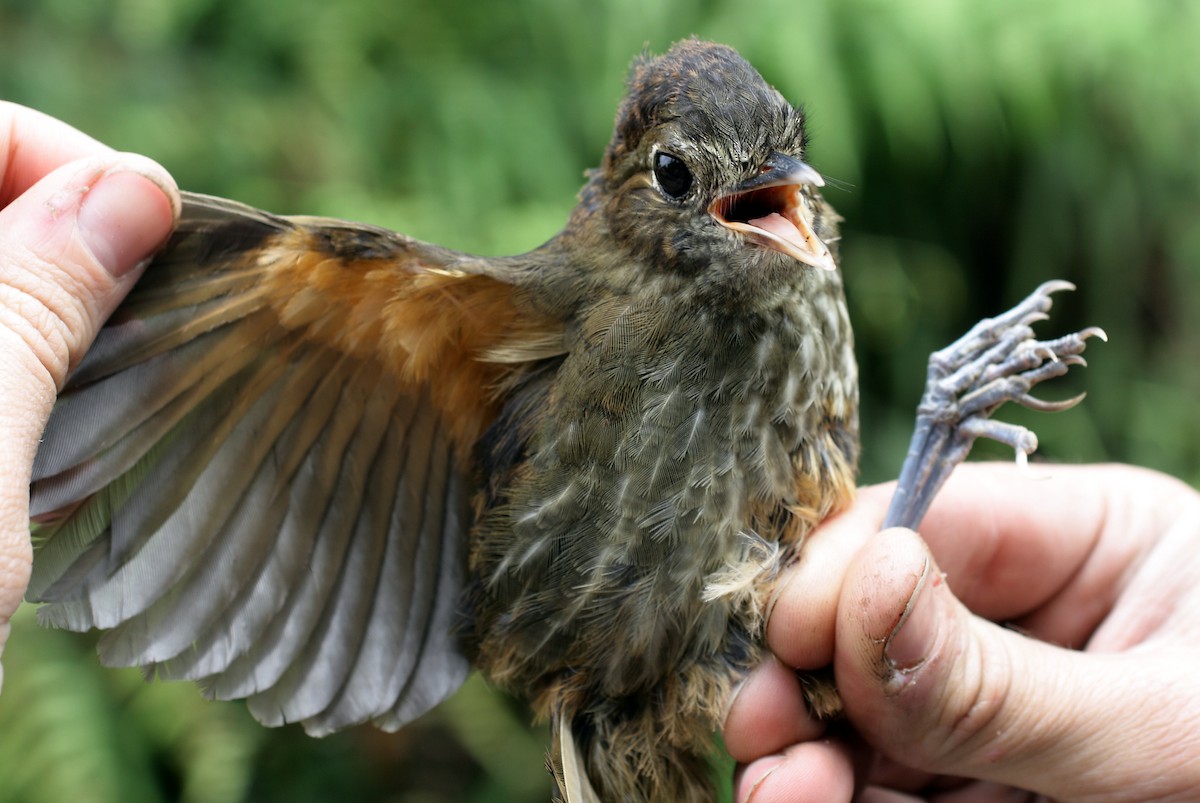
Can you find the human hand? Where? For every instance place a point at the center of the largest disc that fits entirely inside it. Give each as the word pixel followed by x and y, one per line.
pixel 945 705
pixel 77 224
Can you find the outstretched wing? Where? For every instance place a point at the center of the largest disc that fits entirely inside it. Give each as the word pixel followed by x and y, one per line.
pixel 259 476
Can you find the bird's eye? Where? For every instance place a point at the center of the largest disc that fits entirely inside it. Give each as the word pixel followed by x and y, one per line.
pixel 672 174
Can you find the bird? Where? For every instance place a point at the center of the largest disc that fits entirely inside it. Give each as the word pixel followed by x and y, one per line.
pixel 328 468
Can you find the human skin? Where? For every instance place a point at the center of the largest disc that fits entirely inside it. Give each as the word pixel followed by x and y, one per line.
pixel 77 223
pixel 1087 692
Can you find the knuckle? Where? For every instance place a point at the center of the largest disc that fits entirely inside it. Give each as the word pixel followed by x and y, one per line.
pixel 972 718
pixel 43 315
pixel 16 562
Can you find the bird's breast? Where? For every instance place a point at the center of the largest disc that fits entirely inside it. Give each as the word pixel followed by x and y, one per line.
pixel 669 456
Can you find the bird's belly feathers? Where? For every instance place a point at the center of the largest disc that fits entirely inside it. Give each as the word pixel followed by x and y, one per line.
pixel 656 498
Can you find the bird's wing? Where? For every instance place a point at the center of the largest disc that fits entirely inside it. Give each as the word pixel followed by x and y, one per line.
pixel 259 477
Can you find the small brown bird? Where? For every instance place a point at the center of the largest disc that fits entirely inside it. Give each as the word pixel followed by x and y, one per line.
pixel 325 467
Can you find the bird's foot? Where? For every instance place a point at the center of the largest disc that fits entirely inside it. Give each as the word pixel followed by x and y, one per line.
pixel 999 360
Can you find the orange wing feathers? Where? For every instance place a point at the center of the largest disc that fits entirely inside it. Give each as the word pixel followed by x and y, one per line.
pixel 432 325
pixel 260 475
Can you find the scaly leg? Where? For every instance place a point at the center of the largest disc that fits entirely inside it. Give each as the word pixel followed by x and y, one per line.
pixel 999 360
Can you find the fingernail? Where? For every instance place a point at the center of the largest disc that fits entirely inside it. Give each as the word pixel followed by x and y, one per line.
pixel 733 695
pixel 912 639
pixel 768 664
pixel 125 216
pixel 785 582
pixel 747 791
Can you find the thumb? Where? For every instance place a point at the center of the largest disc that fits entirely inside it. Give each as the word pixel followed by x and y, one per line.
pixel 71 246
pixel 934 687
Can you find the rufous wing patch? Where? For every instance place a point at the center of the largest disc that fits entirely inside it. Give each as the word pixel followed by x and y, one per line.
pixel 455 331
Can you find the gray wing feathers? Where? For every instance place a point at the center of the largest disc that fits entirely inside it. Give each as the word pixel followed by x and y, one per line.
pixel 270 517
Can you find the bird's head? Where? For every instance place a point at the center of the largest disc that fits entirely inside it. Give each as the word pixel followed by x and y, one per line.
pixel 706 168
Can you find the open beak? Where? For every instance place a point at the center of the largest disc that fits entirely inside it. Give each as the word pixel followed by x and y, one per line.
pixel 771 210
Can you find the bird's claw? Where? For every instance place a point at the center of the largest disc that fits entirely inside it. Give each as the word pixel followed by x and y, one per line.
pixel 997 361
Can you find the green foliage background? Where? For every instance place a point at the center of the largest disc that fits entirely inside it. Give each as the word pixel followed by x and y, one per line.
pixel 979 148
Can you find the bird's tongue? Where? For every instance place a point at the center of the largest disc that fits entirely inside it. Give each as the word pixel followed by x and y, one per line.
pixel 782 228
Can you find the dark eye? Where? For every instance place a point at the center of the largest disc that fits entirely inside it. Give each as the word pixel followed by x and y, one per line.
pixel 673 176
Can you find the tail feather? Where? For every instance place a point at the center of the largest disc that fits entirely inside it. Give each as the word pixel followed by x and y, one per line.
pixel 568 767
pixel 601 759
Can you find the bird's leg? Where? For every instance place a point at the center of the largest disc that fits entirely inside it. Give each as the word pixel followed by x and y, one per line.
pixel 999 360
